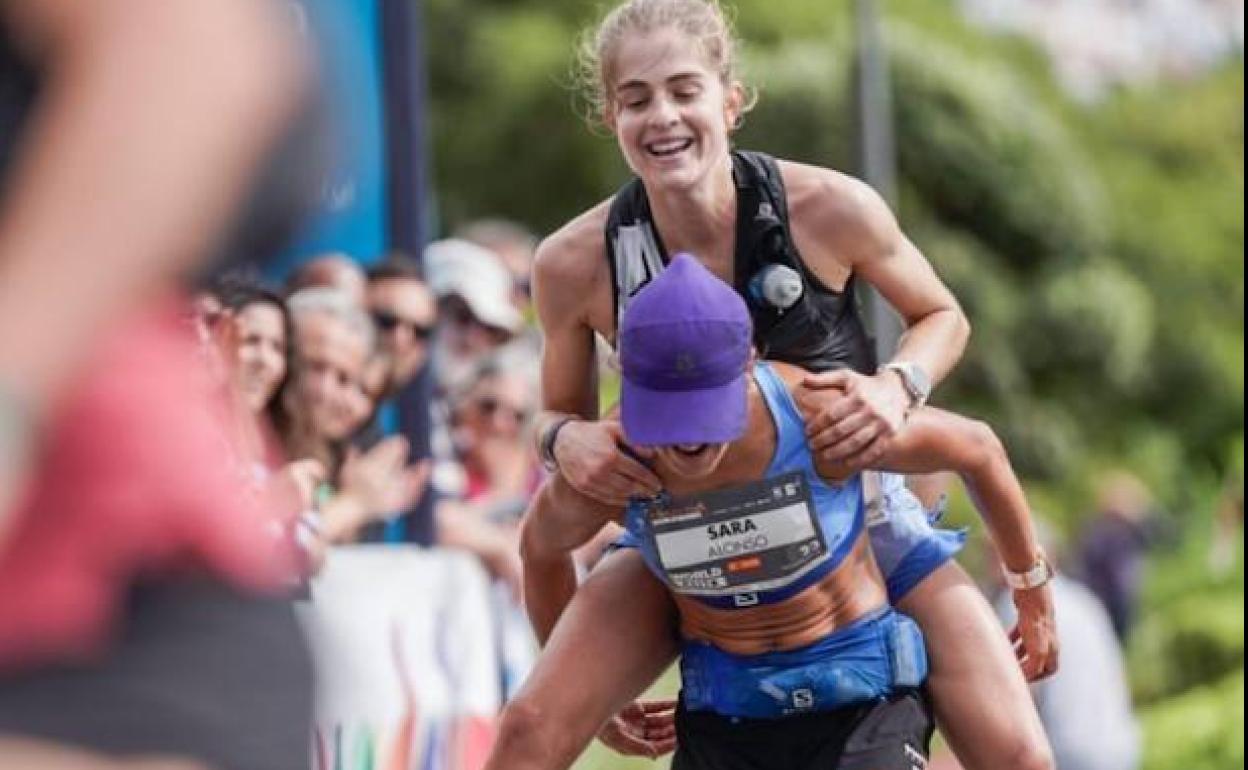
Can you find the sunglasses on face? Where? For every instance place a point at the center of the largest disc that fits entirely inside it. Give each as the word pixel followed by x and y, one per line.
pixel 490 406
pixel 387 322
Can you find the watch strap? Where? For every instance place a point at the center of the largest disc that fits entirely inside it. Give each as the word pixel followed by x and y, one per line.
pixel 1039 574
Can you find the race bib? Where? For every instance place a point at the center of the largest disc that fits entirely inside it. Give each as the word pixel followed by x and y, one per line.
pixel 755 537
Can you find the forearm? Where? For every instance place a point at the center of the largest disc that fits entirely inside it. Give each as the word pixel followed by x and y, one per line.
pixel 935 342
pixel 938 440
pixel 546 421
pixel 1000 500
pixel 549 583
pixel 127 143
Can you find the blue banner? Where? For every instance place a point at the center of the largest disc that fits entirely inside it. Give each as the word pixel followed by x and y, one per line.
pixel 350 216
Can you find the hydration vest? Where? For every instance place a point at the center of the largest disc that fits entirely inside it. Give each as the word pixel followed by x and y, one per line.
pixel 822 331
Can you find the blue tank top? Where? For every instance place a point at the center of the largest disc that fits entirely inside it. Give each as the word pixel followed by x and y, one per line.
pixel 755 543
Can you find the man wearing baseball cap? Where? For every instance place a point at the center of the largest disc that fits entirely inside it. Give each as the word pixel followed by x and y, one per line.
pixel 790 654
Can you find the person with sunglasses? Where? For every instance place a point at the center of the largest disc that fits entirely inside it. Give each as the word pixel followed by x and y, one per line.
pixel 404 312
pixel 490 421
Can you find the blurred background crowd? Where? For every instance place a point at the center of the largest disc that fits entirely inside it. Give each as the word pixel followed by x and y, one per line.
pixel 325 359
pixel 1074 171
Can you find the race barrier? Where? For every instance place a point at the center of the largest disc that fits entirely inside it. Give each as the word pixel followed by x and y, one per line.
pixel 413 649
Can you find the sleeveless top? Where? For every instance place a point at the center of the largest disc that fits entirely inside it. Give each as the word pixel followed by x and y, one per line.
pixel 755 543
pixel 822 331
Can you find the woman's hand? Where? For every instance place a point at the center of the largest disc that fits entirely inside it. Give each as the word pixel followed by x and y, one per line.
pixel 1035 635
pixel 589 457
pixel 851 418
pixel 642 729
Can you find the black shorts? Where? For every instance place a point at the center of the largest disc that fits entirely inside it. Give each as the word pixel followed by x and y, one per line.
pixel 199 671
pixel 885 735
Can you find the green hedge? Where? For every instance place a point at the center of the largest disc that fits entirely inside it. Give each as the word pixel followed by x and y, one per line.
pixel 1190 642
pixel 1199 730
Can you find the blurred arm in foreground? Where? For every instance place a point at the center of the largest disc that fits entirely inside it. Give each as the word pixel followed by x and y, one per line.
pixel 144 122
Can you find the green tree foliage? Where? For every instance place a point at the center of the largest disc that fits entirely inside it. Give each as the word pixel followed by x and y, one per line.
pixel 1203 729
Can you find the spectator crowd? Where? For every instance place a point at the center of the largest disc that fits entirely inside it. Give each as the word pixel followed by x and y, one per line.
pixel 390 402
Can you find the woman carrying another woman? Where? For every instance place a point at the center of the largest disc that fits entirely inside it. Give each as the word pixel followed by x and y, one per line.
pixel 664 76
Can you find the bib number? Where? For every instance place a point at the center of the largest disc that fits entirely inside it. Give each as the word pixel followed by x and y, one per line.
pixel 754 537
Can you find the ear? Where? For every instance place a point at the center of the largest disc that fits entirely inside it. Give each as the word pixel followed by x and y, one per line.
pixel 734 104
pixel 608 115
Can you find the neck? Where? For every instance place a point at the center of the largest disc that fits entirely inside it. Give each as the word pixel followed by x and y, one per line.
pixel 701 219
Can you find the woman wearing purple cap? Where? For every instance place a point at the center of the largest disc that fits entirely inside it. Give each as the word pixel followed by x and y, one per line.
pixel 791 655
pixel 663 78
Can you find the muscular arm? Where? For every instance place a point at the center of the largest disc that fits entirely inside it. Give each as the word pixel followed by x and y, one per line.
pixel 568 282
pixel 936 328
pixel 843 227
pixel 938 440
pixel 561 286
pixel 856 230
pixel 558 521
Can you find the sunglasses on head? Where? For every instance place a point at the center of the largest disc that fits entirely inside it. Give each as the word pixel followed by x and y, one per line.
pixel 387 321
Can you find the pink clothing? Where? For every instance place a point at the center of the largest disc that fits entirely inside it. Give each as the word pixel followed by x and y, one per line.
pixel 132 480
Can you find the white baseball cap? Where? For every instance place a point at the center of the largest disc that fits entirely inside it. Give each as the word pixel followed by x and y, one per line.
pixel 475 274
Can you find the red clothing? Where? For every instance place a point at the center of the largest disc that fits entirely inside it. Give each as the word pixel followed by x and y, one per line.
pixel 134 478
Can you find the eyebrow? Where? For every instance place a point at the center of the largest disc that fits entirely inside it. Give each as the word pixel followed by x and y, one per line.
pixel 678 78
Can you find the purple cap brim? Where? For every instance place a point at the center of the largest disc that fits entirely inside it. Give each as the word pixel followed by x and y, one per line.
pixel 714 415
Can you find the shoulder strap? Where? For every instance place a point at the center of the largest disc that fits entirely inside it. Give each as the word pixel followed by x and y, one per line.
pixel 634 253
pixel 790 427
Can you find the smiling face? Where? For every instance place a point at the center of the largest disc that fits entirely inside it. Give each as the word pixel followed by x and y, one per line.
pixel 669 108
pixel 261 352
pixel 328 381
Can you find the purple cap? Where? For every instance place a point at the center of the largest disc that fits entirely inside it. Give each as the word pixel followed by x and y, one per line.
pixel 684 355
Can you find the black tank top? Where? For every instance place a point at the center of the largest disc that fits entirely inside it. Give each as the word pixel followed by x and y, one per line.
pixel 822 331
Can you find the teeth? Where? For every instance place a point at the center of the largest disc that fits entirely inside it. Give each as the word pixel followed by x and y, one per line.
pixel 670 147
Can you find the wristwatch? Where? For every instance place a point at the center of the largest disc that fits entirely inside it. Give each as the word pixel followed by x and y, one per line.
pixel 914 379
pixel 546 447
pixel 1040 573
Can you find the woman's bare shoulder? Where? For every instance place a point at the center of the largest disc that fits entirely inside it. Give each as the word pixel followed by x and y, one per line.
pixel 575 253
pixel 844 213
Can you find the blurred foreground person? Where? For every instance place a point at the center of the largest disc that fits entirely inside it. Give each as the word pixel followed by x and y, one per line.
pixel 140 621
